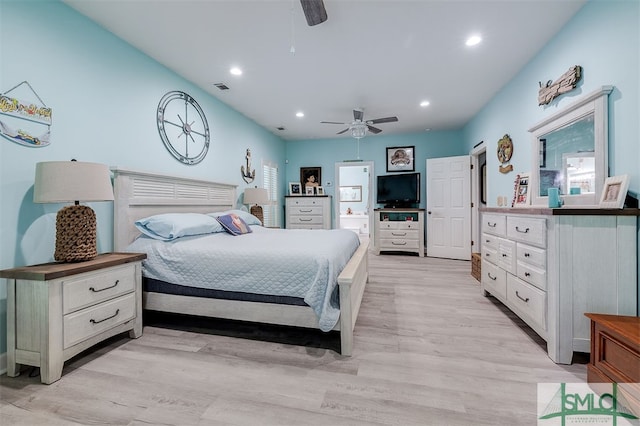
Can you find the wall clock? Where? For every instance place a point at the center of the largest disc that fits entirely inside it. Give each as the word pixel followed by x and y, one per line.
pixel 183 127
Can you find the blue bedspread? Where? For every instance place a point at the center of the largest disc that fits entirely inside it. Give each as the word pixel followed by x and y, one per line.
pixel 297 263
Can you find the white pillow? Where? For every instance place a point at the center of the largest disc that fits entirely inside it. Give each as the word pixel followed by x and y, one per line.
pixel 169 226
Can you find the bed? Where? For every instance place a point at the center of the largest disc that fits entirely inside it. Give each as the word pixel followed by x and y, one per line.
pixel 141 194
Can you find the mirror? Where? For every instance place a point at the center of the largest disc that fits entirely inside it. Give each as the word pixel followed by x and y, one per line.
pixel 571 152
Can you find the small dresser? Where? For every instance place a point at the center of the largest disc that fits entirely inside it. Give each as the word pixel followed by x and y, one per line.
pixel 57 310
pixel 399 230
pixel 308 212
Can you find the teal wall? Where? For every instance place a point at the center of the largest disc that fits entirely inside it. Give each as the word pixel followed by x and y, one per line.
pixel 604 38
pixel 325 153
pixel 104 95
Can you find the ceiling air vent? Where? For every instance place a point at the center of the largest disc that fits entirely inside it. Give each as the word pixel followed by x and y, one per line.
pixel 221 86
pixel 280 128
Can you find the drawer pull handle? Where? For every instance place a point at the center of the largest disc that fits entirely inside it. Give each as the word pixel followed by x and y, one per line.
pixel 398 235
pixel 523 232
pixel 522 298
pixel 527 255
pixel 305 211
pixel 504 255
pixel 492 225
pixel 305 220
pixel 489 275
pixel 92 321
pixel 106 288
pixel 526 274
pixel 404 243
pixel 487 255
pixel 487 241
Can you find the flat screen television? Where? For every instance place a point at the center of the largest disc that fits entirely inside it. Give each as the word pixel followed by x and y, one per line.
pixel 399 191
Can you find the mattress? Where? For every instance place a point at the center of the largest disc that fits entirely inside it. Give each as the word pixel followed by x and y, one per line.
pixel 296 263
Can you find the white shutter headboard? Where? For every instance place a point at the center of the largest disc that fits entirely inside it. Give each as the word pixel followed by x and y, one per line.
pixel 140 194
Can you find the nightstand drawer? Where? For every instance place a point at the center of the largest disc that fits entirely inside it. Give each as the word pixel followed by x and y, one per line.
pixel 88 289
pixel 89 322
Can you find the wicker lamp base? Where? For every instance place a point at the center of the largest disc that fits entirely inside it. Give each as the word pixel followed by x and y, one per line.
pixel 257 212
pixel 75 234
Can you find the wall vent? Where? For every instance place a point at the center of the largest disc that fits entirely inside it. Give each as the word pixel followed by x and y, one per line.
pixel 221 86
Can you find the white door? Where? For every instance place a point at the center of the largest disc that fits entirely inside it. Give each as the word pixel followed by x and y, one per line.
pixel 449 207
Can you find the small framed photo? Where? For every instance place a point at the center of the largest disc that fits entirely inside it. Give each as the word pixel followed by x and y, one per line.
pixel 319 190
pixel 521 191
pixel 614 192
pixel 295 188
pixel 351 194
pixel 309 190
pixel 401 159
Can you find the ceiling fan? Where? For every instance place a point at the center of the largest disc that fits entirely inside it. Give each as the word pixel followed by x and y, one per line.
pixel 359 127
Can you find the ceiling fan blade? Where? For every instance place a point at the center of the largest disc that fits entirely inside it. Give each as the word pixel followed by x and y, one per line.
pixel 342 131
pixel 314 11
pixel 331 122
pixel 374 130
pixel 358 114
pixel 383 120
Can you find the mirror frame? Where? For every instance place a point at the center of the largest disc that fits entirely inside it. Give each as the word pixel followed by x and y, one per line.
pixel 596 103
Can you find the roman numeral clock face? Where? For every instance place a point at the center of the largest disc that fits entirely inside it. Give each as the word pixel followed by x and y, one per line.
pixel 183 127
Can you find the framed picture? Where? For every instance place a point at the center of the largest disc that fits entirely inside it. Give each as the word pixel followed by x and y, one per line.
pixel 351 193
pixel 309 190
pixel 295 188
pixel 614 192
pixel 400 159
pixel 310 176
pixel 319 190
pixel 521 191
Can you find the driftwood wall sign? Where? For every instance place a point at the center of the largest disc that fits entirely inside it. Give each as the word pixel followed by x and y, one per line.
pixel 566 83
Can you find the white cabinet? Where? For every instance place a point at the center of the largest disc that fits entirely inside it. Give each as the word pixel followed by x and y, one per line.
pixel 57 310
pixel 308 212
pixel 399 230
pixel 551 266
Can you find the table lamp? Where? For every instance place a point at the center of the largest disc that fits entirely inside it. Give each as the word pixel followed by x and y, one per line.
pixel 73 181
pixel 256 196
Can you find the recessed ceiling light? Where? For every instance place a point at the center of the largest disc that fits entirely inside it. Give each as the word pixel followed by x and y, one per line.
pixel 473 40
pixel 235 71
pixel 299 114
pixel 424 104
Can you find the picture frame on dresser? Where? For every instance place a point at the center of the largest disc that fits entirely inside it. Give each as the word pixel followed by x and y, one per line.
pixel 614 192
pixel 401 159
pixel 319 190
pixel 521 191
pixel 295 188
pixel 309 190
pixel 310 176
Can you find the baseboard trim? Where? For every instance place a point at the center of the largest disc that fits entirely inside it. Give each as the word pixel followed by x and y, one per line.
pixel 3 363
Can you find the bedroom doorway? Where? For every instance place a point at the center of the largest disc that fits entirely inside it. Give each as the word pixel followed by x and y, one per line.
pixel 353 196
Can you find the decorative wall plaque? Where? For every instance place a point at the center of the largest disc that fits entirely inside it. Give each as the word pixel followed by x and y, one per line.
pixel 505 151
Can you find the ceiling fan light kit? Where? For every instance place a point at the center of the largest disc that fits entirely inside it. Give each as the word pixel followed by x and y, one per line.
pixel 358 127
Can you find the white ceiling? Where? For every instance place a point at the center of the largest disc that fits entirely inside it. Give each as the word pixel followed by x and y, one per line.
pixel 385 56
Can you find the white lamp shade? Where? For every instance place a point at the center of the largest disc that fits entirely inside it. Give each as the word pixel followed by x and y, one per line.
pixel 256 196
pixel 69 181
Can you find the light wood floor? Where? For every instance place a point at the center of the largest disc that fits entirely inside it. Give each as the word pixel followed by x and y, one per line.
pixel 429 350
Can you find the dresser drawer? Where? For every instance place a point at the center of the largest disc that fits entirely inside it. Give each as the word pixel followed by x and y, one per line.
pixel 507 255
pixel 532 275
pixel 533 256
pixel 390 224
pixel 306 220
pixel 399 243
pixel 494 279
pixel 528 230
pixel 494 224
pixel 386 234
pixel 490 241
pixel 86 323
pixel 305 202
pixel 527 299
pixel 305 210
pixel 490 255
pixel 88 289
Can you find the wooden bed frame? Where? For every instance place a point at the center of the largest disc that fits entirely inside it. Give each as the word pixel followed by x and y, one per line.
pixel 141 194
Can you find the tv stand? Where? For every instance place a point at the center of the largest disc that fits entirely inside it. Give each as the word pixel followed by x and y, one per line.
pixel 399 229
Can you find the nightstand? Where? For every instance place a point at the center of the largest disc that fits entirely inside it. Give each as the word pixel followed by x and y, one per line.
pixel 57 310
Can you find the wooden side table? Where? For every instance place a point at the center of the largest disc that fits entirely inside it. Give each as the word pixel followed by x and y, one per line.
pixel 57 310
pixel 615 355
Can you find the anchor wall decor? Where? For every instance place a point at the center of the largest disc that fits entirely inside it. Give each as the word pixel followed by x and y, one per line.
pixel 248 175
